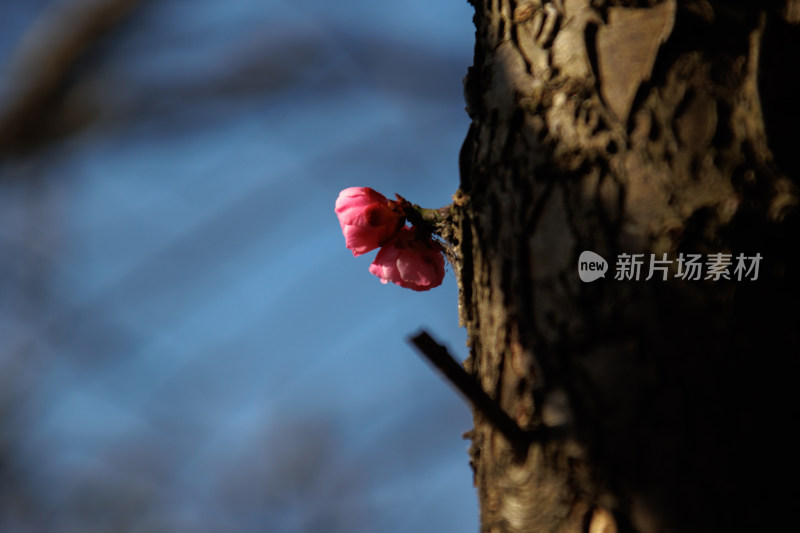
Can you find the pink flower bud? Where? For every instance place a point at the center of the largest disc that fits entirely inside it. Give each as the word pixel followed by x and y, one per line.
pixel 410 261
pixel 367 218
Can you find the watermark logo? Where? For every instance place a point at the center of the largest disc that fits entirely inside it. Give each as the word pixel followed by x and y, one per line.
pixel 688 267
pixel 591 266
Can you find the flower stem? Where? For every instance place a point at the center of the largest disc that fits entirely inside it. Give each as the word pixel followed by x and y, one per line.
pixel 429 219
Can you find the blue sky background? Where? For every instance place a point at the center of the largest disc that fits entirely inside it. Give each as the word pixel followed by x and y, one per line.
pixel 185 343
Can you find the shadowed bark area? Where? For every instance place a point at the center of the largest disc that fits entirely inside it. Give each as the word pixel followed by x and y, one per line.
pixel 631 128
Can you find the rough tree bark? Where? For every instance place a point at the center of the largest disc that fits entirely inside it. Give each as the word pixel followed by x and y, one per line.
pixel 631 127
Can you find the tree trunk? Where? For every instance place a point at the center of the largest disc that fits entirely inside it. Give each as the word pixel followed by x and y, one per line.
pixel 631 127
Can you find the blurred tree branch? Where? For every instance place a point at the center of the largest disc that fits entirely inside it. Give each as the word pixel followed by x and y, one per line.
pixel 45 57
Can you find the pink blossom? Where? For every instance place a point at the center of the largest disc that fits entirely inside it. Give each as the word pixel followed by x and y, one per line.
pixel 367 218
pixel 410 261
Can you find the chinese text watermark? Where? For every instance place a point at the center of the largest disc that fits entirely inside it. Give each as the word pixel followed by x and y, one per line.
pixel 688 267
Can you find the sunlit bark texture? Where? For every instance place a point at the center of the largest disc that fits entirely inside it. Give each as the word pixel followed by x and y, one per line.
pixel 651 127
